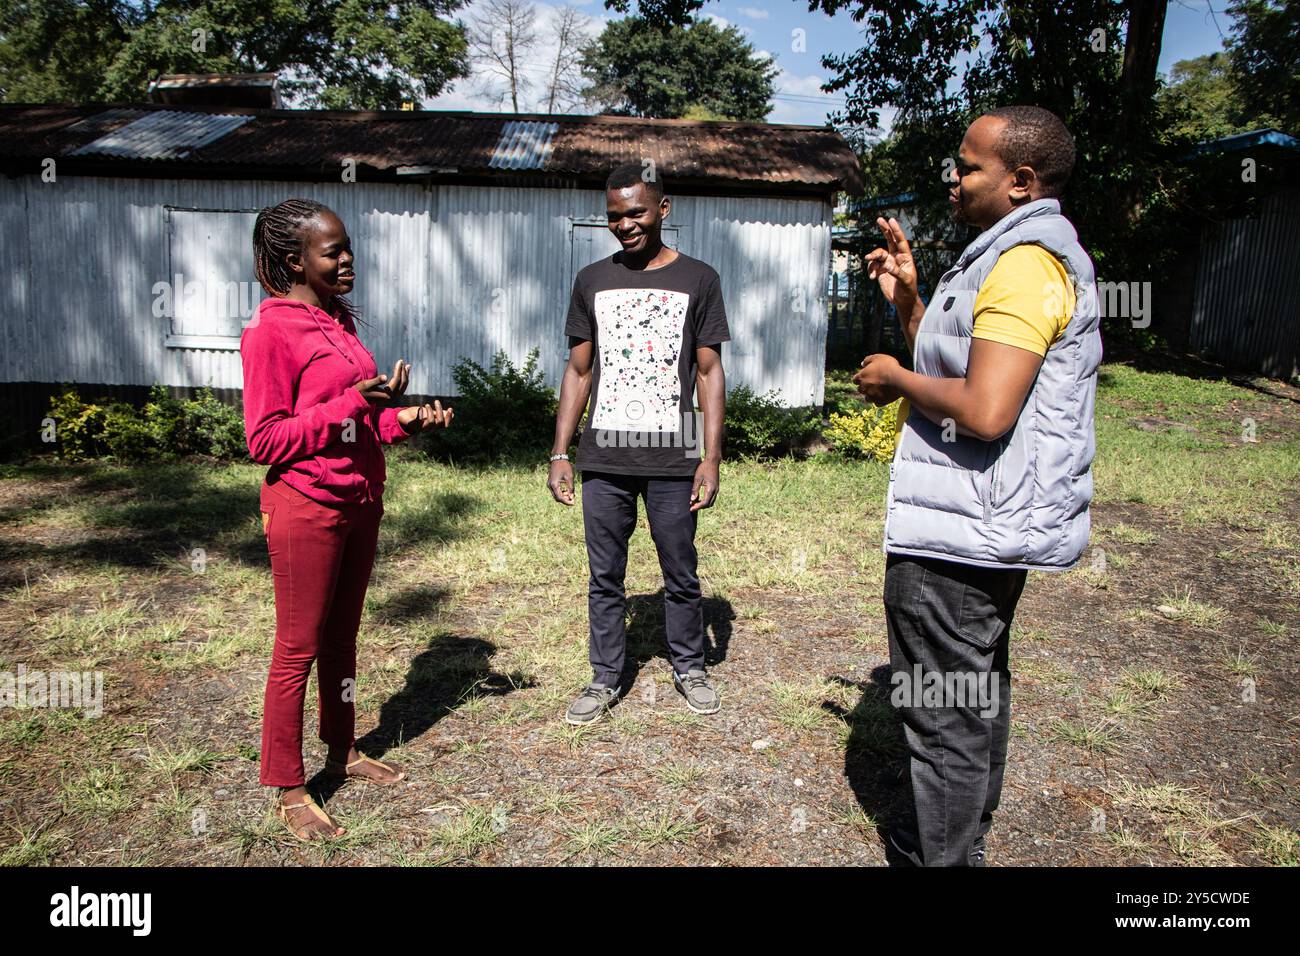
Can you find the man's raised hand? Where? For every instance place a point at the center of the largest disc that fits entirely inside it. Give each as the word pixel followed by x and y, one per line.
pixel 894 268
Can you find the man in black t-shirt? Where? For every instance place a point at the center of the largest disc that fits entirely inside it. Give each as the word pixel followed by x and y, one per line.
pixel 645 329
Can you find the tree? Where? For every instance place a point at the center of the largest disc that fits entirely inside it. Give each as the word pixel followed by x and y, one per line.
pixel 57 51
pixel 637 68
pixel 1265 55
pixel 567 35
pixel 362 54
pixel 1201 100
pixel 500 41
pixel 1091 62
pixel 663 12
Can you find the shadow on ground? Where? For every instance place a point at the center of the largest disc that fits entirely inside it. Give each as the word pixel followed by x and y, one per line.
pixel 646 638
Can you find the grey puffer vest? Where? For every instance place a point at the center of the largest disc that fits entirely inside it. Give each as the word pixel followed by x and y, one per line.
pixel 1020 501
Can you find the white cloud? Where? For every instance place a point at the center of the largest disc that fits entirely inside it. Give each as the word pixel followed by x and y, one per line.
pixel 810 85
pixel 755 14
pixel 812 106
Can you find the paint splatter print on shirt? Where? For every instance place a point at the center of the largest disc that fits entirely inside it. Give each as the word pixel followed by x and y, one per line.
pixel 645 326
pixel 641 334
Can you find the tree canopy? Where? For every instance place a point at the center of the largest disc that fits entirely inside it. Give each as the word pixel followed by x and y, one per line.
pixel 361 54
pixel 639 68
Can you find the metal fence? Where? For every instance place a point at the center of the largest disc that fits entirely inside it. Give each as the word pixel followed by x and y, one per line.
pixel 1246 305
pixel 861 321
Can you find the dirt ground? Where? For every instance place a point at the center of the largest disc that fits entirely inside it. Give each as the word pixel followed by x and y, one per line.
pixel 1155 711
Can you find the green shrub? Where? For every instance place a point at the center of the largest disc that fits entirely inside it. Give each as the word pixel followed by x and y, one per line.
pixel 503 412
pixel 865 433
pixel 166 420
pixel 841 394
pixel 126 435
pixel 213 427
pixel 79 426
pixel 760 426
pixel 165 427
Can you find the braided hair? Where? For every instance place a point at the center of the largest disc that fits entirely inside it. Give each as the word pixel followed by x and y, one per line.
pixel 280 230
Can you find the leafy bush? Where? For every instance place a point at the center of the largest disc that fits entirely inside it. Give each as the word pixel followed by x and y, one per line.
pixel 759 425
pixel 503 412
pixel 79 426
pixel 866 433
pixel 841 394
pixel 213 427
pixel 126 435
pixel 166 427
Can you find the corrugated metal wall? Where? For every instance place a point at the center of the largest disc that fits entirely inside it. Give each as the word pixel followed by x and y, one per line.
pixel 442 272
pixel 1246 308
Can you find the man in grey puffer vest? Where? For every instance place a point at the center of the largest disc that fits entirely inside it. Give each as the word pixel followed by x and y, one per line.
pixel 990 476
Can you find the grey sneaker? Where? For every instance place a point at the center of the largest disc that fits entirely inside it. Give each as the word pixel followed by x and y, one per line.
pixel 592 704
pixel 699 693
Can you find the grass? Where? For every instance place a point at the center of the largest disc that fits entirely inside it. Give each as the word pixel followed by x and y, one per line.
pixel 1240 663
pixel 662 828
pixel 1278 846
pixel 465 837
pixel 592 838
pixel 799 705
pixel 1180 606
pixel 474 643
pixel 1100 736
pixel 171 763
pixel 679 776
pixel 1205 474
pixel 1152 681
pixel 100 790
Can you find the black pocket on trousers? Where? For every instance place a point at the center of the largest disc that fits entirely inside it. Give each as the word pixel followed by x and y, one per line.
pixel 982 618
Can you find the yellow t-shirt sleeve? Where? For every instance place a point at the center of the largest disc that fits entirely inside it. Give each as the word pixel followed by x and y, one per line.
pixel 1026 300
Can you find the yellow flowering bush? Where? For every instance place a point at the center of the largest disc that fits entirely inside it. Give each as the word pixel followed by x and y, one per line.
pixel 868 433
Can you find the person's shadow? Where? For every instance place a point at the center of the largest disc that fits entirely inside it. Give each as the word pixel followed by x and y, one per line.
pixel 438 680
pixel 876 759
pixel 647 639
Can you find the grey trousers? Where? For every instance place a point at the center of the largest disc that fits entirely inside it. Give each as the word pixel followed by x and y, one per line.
pixel 609 507
pixel 949 624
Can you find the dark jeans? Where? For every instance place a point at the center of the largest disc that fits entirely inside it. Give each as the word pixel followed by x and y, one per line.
pixel 608 516
pixel 953 619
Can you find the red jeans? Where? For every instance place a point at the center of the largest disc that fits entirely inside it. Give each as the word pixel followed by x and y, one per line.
pixel 321 558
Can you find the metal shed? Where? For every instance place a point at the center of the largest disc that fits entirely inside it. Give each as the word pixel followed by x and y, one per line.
pixel 128 233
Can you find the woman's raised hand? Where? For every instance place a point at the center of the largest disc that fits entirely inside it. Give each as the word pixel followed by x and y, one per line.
pixel 370 388
pixel 401 375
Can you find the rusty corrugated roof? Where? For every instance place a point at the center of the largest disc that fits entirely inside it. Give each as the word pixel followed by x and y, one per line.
pixel 467 143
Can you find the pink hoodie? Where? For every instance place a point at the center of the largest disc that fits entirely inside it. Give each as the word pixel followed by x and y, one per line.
pixel 300 408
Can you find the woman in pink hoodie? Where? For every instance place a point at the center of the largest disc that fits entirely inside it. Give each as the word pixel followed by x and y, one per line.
pixel 317 411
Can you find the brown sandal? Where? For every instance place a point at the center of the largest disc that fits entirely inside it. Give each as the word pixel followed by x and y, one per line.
pixel 303 832
pixel 332 767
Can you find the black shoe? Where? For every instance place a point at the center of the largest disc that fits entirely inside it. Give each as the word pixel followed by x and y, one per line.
pixel 904 843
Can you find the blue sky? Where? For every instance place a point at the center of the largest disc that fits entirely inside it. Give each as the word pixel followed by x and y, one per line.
pixel 1192 28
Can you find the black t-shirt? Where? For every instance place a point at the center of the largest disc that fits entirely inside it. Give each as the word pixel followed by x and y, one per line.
pixel 644 326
